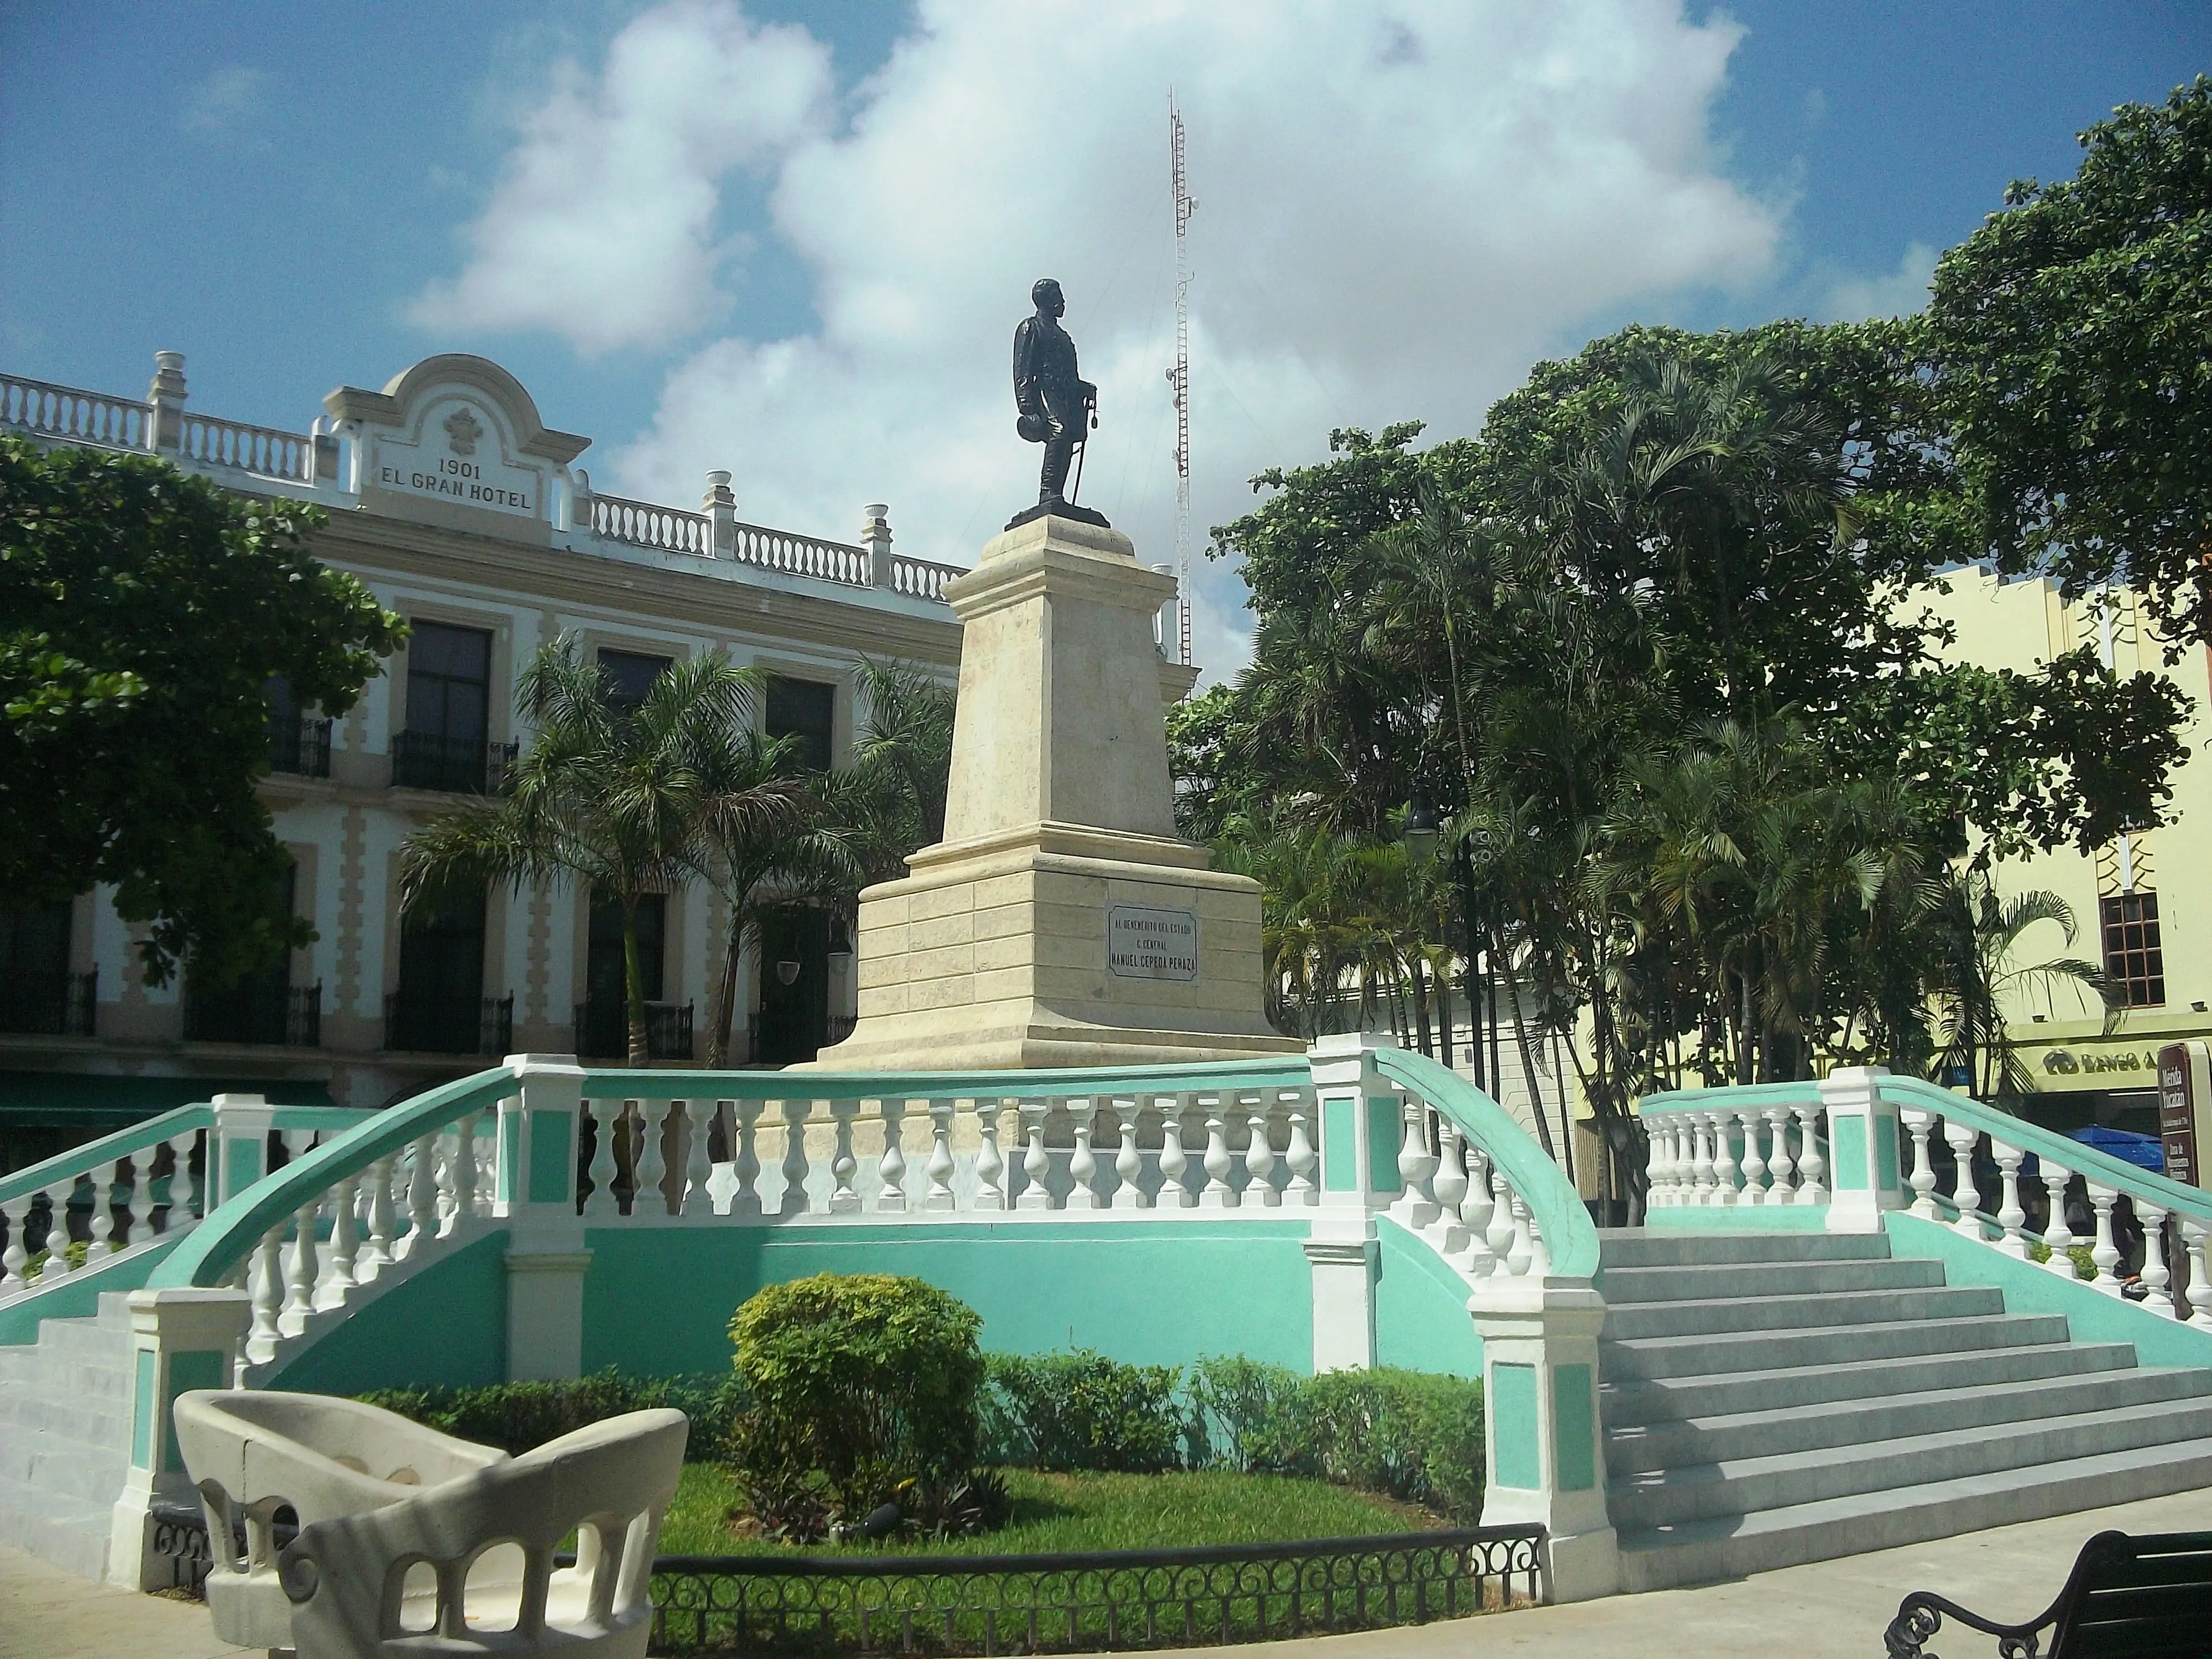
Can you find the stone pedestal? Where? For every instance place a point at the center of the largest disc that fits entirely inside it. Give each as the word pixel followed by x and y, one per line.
pixel 1060 922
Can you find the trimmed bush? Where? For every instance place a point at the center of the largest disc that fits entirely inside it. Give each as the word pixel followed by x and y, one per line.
pixel 1083 1410
pixel 863 1386
pixel 520 1417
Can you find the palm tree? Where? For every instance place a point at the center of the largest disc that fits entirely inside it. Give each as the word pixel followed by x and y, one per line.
pixel 610 797
pixel 1982 973
pixel 904 750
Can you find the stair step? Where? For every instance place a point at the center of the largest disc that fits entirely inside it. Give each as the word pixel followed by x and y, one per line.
pixel 1731 1546
pixel 96 1419
pixel 1747 1486
pixel 1634 1247
pixel 68 1533
pixel 1833 1309
pixel 1651 1447
pixel 1763 1279
pixel 1625 1404
pixel 1707 1354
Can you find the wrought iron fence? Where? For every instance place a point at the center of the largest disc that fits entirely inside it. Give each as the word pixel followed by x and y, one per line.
pixel 993 1604
pixel 49 1005
pixel 417 1024
pixel 1083 1603
pixel 603 1029
pixel 290 1015
pixel 431 760
pixel 301 746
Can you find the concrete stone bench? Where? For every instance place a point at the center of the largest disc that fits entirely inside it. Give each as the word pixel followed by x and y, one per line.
pixel 407 1535
pixel 2127 1598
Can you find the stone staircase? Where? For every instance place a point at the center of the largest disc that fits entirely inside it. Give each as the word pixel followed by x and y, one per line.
pixel 65 1437
pixel 1777 1398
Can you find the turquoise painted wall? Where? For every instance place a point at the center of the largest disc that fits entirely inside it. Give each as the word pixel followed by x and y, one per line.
pixel 1421 1320
pixel 659 1300
pixel 2030 1287
pixel 445 1327
pixel 78 1296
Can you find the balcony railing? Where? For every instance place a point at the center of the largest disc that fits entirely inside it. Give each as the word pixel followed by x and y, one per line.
pixel 415 1023
pixel 603 1029
pixel 468 766
pixel 301 746
pixel 49 1005
pixel 289 1016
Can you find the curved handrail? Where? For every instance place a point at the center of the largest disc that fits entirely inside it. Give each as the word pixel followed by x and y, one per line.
pixel 1676 1100
pixel 2068 1153
pixel 1283 1072
pixel 127 1142
pixel 224 1240
pixel 1570 1235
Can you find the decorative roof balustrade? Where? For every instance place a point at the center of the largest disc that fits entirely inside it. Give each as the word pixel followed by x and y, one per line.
pixel 69 415
pixel 641 523
pixel 672 530
pixel 261 450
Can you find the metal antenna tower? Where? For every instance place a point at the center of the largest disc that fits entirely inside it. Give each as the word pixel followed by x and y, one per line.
pixel 1179 376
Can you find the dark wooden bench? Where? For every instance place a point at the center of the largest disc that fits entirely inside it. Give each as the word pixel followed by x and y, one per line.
pixel 2127 1598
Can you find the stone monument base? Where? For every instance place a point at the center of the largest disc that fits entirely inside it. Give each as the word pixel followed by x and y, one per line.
pixel 1057 945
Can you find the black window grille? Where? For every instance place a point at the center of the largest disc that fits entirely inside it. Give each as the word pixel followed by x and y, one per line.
pixel 39 994
pixel 445 743
pixel 629 676
pixel 2134 957
pixel 440 1005
pixel 806 710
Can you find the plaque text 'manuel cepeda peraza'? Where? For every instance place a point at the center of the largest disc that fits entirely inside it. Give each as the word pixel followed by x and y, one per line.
pixel 1148 944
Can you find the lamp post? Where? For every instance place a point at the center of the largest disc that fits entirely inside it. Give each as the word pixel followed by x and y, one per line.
pixel 1421 832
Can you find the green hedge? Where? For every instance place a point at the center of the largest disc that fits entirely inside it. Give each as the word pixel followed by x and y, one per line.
pixel 519 1417
pixel 1083 1411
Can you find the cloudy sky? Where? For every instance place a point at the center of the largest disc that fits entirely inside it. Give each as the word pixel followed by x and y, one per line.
pixel 792 239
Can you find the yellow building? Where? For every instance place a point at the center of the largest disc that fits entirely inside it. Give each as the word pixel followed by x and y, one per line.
pixel 2142 904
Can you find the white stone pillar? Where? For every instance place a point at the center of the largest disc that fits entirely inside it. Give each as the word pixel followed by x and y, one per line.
pixel 876 537
pixel 720 507
pixel 1863 1176
pixel 167 396
pixel 546 1253
pixel 180 1340
pixel 1360 1119
pixel 237 1146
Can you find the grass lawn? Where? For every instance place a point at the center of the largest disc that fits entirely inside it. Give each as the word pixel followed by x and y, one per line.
pixel 1068 1512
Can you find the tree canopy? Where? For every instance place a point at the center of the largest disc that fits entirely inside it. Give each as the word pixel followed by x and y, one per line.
pixel 142 612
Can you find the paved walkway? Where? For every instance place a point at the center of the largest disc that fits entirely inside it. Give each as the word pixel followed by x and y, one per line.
pixel 1830 1610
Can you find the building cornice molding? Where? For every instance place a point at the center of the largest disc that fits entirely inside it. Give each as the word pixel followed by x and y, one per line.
pixel 389 407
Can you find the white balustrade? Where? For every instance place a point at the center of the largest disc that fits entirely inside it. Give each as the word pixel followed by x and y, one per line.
pixel 267 1293
pixel 698 1166
pixel 1963 1138
pixel 941 1166
pixel 2105 1254
pixel 1754 1166
pixel 1303 1164
pixel 2197 1241
pixel 1810 1163
pixel 300 1271
pixel 2156 1277
pixel 1725 1188
pixel 891 1172
pixel 2010 1215
pixel 1035 1194
pixel 1260 1165
pixel 1477 1210
pixel 1781 1171
pixel 745 1203
pixel 990 1162
pixel 376 1248
pixel 337 1277
pixel 1921 1177
pixel 1449 1187
pixel 2057 1232
pixel 1082 1163
pixel 1218 1194
pixel 1174 1163
pixel 794 1166
pixel 141 1209
pixel 649 1159
pixel 1129 1162
pixel 58 1239
pixel 15 1212
pixel 422 1187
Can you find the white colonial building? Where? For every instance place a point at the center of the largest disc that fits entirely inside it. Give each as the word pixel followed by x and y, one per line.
pixel 464 512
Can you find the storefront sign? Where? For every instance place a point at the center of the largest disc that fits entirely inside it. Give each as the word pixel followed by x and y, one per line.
pixel 1145 944
pixel 2072 1062
pixel 459 461
pixel 2184 1102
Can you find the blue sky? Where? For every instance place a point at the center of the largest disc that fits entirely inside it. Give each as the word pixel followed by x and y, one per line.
pixel 297 203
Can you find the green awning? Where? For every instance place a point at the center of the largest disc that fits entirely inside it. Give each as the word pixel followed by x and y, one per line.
pixel 79 1100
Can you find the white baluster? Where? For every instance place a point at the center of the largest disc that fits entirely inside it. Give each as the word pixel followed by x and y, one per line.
pixel 698 1164
pixel 1755 1166
pixel 1781 1171
pixel 376 1248
pixel 795 1167
pixel 601 1204
pixel 1218 1194
pixel 844 1197
pixel 2196 1241
pixel 1500 1235
pixel 890 1170
pixel 268 1294
pixel 1260 1163
pixel 1521 1251
pixel 1477 1211
pixel 141 1208
pixel 104 1180
pixel 1082 1163
pixel 464 1166
pixel 1922 1176
pixel 941 1166
pixel 1036 1166
pixel 745 1202
pixel 1416 1164
pixel 1725 1188
pixel 338 1272
pixel 422 1192
pixel 1671 1171
pixel 1810 1163
pixel 302 1271
pixel 1965 1195
pixel 2056 1232
pixel 57 1265
pixel 15 1212
pixel 1128 1166
pixel 1449 1185
pixel 1540 1259
pixel 990 1163
pixel 2011 1215
pixel 1174 1163
pixel 1304 1163
pixel 1656 1178
pixel 648 1167
pixel 185 1194
pixel 2105 1254
pixel 2157 1277
pixel 1701 1158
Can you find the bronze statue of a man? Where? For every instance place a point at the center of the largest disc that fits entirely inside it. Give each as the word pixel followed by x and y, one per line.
pixel 1055 405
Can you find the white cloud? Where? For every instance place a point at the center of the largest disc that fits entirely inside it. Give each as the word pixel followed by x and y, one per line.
pixel 1901 292
pixel 604 227
pixel 223 98
pixel 1396 215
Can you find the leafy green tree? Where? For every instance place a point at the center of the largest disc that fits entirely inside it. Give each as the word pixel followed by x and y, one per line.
pixel 2068 340
pixel 142 612
pixel 1983 969
pixel 614 798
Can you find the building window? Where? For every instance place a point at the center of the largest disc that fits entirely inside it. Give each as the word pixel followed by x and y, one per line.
pixel 603 1018
pixel 265 1006
pixel 629 676
pixel 445 745
pixel 38 995
pixel 804 710
pixel 440 1007
pixel 298 742
pixel 2134 961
